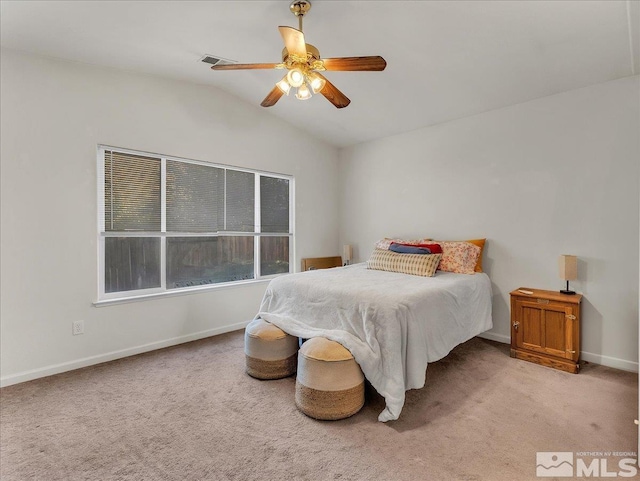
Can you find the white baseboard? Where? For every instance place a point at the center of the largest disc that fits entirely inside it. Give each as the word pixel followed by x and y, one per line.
pixel 111 356
pixel 622 364
pixel 608 361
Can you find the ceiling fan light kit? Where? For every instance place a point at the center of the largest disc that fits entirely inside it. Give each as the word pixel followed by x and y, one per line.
pixel 304 64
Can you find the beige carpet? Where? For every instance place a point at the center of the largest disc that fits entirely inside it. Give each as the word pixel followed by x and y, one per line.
pixel 191 413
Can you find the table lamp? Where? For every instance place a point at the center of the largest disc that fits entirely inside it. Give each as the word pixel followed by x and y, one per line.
pixel 568 271
pixel 347 254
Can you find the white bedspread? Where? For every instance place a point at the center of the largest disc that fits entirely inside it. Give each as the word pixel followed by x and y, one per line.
pixel 393 324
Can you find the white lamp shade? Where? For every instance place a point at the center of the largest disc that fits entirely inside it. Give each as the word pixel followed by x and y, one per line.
pixel 284 86
pixel 303 92
pixel 347 253
pixel 568 266
pixel 317 83
pixel 295 77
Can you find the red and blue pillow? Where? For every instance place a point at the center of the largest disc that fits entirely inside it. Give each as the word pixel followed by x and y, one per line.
pixel 402 248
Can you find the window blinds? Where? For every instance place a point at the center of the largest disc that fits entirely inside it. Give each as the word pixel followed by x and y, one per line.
pixel 198 198
pixel 195 198
pixel 131 192
pixel 274 204
pixel 240 191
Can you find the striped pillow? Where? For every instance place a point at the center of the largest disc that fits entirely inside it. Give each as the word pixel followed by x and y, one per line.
pixel 415 264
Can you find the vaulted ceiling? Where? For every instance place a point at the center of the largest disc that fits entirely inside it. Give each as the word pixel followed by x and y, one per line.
pixel 446 59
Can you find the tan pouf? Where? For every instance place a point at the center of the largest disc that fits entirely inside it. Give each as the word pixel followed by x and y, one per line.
pixel 329 383
pixel 270 352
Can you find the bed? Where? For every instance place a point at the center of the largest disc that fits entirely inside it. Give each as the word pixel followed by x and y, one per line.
pixel 394 324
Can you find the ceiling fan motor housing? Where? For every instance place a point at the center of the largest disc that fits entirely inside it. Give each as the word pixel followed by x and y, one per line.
pixel 312 53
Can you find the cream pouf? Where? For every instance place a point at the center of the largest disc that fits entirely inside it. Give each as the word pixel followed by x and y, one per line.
pixel 270 352
pixel 329 383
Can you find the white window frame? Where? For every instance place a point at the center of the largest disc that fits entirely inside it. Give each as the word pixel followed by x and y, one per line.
pixel 105 298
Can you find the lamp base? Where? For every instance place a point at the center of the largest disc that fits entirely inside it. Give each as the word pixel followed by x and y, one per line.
pixel 567 291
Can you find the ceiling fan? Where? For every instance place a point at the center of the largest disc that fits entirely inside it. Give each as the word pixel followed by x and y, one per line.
pixel 304 64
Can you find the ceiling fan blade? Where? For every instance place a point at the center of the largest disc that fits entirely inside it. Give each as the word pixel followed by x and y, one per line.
pixel 294 41
pixel 244 66
pixel 372 64
pixel 272 97
pixel 333 95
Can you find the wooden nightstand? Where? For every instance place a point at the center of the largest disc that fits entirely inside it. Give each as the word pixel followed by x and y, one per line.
pixel 545 328
pixel 311 263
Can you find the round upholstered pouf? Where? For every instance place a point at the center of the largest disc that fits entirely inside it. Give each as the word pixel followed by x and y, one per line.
pixel 270 352
pixel 329 383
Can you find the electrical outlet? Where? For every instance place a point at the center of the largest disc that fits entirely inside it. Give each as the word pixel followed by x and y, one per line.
pixel 78 327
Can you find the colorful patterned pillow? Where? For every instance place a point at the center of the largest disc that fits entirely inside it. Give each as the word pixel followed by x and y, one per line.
pixel 480 243
pixel 415 264
pixel 386 242
pixel 459 257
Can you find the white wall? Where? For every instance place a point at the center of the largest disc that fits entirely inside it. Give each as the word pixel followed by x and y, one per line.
pixel 552 176
pixel 54 114
pixel 557 175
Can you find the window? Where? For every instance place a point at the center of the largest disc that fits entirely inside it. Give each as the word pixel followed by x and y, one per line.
pixel 169 224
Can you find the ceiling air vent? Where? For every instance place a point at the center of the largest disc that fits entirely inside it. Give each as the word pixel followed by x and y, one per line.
pixel 213 60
